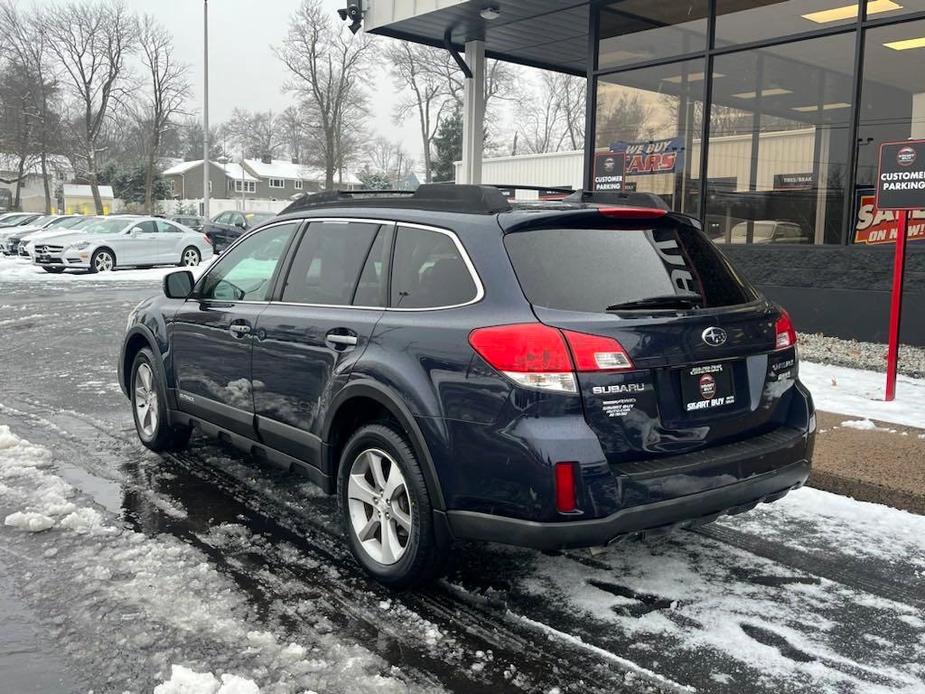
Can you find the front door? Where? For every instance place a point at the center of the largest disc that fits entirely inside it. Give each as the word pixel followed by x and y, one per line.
pixel 212 333
pixel 333 295
pixel 137 246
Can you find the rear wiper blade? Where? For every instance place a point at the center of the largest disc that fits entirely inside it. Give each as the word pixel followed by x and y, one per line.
pixel 667 301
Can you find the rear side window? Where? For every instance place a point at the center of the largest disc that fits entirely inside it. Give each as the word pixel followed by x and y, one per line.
pixel 591 269
pixel 328 263
pixel 428 271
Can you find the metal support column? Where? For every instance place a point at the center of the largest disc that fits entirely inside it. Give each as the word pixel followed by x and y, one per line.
pixel 473 114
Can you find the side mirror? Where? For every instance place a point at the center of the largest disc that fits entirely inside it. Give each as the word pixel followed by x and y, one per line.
pixel 135 231
pixel 241 225
pixel 178 285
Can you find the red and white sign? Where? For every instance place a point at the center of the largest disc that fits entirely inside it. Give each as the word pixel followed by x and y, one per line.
pixel 875 227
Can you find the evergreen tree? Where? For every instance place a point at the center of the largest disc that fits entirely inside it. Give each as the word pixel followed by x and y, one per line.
pixel 448 147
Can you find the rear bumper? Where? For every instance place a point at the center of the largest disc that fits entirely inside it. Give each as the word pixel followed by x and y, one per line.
pixel 681 512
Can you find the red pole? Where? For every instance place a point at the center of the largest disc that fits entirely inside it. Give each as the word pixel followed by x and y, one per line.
pixel 896 304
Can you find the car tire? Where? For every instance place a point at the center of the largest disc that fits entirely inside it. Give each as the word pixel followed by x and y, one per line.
pixel 148 396
pixel 103 260
pixel 53 270
pixel 190 257
pixel 407 514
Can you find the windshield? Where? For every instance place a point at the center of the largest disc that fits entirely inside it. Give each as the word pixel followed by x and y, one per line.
pixel 15 220
pixel 42 221
pixel 106 226
pixel 64 222
pixel 593 269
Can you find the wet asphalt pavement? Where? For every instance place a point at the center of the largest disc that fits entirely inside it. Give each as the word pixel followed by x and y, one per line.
pixel 730 609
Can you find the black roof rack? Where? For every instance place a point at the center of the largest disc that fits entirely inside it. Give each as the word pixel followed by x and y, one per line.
pixel 616 197
pixel 446 197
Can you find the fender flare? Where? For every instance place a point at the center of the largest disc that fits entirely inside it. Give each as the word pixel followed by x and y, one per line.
pixel 145 332
pixel 391 402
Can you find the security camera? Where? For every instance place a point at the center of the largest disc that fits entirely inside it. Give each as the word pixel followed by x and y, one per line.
pixel 353 13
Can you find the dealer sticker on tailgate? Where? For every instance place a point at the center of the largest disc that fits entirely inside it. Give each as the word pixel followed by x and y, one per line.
pixel 707 386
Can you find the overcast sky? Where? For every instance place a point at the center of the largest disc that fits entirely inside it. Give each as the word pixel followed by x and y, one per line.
pixel 243 71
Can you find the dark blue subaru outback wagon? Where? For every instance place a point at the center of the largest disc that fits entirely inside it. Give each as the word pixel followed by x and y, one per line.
pixel 455 366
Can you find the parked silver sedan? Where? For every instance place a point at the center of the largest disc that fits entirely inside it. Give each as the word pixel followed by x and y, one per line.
pixel 123 242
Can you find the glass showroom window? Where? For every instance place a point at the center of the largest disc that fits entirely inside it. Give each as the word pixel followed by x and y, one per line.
pixel 892 108
pixel 778 150
pixel 744 21
pixel 653 117
pixel 635 31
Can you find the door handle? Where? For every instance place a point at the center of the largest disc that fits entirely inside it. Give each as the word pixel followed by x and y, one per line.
pixel 342 340
pixel 239 329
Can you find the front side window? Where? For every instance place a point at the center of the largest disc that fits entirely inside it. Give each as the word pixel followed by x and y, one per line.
pixel 326 266
pixel 428 271
pixel 245 273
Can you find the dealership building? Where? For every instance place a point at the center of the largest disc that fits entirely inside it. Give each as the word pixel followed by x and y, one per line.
pixel 763 118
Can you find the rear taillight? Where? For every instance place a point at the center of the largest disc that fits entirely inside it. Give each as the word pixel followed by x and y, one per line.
pixel 597 353
pixel 565 487
pixel 539 356
pixel 786 335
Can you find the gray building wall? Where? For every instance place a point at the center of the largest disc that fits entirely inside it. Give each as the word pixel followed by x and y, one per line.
pixel 842 291
pixel 189 184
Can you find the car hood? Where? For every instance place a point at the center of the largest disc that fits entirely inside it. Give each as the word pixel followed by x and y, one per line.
pixel 59 234
pixel 76 236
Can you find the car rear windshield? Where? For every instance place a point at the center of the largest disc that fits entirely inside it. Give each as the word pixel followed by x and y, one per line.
pixel 593 269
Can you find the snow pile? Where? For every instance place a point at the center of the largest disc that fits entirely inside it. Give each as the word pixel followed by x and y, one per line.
pixel 858 393
pixel 185 681
pixel 161 600
pixel 44 498
pixel 864 425
pixel 15 270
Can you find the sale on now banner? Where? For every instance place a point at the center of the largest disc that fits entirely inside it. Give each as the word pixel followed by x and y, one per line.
pixel 874 226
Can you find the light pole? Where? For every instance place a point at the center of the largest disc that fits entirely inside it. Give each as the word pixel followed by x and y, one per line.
pixel 205 109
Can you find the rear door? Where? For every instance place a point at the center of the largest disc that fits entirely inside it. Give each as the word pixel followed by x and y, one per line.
pixel 171 242
pixel 307 342
pixel 701 340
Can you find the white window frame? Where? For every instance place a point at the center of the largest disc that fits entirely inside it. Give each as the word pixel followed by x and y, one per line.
pixel 249 186
pixel 277 182
pixel 297 184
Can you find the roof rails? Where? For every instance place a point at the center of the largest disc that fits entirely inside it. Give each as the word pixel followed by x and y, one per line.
pixel 622 198
pixel 445 197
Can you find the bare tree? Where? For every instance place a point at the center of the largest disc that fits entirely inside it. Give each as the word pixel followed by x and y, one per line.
pixel 294 133
pixel 326 62
pixel 623 117
pixel 166 92
pixel 551 115
pixel 429 94
pixel 26 44
pixel 91 41
pixel 253 133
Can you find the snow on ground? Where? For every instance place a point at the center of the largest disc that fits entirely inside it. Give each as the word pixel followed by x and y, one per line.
pixel 161 600
pixel 21 270
pixel 689 596
pixel 859 393
pixel 810 519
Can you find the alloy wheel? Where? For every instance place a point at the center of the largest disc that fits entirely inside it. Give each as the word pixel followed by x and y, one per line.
pixel 103 262
pixel 379 506
pixel 145 401
pixel 190 257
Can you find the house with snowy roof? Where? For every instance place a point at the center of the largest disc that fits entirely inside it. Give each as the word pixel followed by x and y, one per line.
pixel 226 180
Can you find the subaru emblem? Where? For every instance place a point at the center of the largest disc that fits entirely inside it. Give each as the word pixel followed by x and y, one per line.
pixel 714 336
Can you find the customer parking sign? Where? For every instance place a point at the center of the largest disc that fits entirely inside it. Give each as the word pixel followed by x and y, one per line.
pixel 901 179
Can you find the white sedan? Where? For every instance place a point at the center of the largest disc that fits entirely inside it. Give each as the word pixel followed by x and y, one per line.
pixel 114 242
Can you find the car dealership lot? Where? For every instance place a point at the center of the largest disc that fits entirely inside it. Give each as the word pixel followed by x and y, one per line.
pixel 209 561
